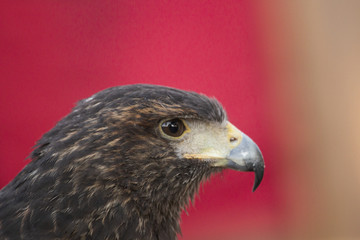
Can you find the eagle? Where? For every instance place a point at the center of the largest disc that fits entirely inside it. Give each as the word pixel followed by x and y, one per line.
pixel 124 164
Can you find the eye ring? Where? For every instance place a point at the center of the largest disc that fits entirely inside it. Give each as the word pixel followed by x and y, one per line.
pixel 174 128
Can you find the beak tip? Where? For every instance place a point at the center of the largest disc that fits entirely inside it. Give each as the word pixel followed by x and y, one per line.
pixel 259 174
pixel 255 187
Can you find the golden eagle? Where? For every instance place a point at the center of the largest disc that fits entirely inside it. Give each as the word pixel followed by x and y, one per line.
pixel 123 165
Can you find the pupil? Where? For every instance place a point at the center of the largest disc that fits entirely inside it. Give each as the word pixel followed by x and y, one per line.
pixel 173 127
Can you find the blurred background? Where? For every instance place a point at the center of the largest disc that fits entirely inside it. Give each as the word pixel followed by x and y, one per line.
pixel 287 72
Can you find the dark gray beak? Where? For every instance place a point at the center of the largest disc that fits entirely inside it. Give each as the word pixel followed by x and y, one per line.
pixel 247 157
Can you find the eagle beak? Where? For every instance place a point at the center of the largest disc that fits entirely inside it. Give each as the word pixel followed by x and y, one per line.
pixel 236 151
pixel 247 157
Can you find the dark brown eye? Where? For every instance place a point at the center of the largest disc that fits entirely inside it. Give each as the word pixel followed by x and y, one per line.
pixel 173 128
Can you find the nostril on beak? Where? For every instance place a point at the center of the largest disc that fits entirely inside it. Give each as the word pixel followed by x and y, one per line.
pixel 233 139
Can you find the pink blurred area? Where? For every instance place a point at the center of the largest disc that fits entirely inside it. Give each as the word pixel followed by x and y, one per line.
pixel 266 63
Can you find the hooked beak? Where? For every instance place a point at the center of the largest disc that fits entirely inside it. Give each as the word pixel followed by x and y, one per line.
pixel 244 155
pixel 247 157
pixel 235 151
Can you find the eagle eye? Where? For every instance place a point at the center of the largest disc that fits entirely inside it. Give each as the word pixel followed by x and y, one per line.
pixel 173 128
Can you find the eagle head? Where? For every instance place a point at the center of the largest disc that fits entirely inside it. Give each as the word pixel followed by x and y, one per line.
pixel 123 165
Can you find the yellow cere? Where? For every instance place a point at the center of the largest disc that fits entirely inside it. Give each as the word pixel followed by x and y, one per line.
pixel 207 141
pixel 233 132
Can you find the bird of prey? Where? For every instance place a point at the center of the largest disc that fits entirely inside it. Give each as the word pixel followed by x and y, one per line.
pixel 123 165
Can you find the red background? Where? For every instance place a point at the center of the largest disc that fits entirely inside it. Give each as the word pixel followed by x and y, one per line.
pixel 54 53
